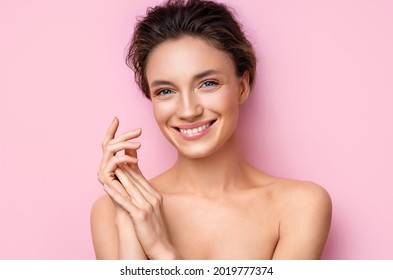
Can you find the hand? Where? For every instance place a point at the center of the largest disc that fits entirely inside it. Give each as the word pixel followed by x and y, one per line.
pixel 128 245
pixel 132 194
pixel 109 162
pixel 144 205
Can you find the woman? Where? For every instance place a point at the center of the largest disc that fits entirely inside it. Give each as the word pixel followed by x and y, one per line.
pixel 192 60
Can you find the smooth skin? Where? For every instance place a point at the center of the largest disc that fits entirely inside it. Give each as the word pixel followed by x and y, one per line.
pixel 211 204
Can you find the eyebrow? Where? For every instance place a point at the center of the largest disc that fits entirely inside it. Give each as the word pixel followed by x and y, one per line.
pixel 196 77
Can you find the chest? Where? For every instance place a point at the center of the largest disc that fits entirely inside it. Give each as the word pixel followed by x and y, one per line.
pixel 221 229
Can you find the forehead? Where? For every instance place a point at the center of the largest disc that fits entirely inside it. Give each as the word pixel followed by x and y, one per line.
pixel 184 57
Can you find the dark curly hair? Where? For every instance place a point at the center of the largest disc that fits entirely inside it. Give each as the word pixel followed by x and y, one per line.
pixel 208 20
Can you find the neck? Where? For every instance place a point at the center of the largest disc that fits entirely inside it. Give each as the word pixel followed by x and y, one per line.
pixel 223 170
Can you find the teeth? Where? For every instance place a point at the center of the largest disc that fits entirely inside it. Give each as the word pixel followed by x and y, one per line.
pixel 194 130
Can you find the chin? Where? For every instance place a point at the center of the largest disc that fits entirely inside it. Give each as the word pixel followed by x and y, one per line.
pixel 194 154
pixel 199 151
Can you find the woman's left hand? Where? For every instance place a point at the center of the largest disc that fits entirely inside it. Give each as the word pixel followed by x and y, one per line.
pixel 144 205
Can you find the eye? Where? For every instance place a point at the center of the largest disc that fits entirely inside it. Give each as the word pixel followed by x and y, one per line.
pixel 209 84
pixel 163 92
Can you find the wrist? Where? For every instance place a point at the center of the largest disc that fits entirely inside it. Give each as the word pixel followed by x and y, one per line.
pixel 167 253
pixel 121 218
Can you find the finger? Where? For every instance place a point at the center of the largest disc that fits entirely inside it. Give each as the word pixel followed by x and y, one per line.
pixel 150 194
pixel 138 177
pixel 128 135
pixel 107 173
pixel 133 153
pixel 132 189
pixel 114 162
pixel 124 145
pixel 124 202
pixel 107 145
pixel 112 149
pixel 118 187
pixel 110 134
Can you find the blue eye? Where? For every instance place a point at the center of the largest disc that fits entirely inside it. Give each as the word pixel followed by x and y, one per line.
pixel 209 84
pixel 163 92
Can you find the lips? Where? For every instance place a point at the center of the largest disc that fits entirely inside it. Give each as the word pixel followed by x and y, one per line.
pixel 194 130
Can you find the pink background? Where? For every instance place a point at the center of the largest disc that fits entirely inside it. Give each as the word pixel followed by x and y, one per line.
pixel 322 110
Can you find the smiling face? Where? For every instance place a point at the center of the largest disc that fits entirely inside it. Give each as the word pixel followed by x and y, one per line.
pixel 196 94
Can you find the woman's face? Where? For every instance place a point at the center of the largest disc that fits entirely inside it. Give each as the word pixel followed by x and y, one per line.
pixel 195 93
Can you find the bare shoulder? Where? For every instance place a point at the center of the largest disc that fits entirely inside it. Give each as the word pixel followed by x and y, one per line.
pixel 103 228
pixel 306 195
pixel 305 217
pixel 103 207
pixel 290 193
pixel 297 187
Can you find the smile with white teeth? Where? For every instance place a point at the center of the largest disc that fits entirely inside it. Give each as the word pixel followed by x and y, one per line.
pixel 194 130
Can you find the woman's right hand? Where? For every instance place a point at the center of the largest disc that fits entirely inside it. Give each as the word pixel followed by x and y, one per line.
pixel 128 243
pixel 110 161
pixel 139 207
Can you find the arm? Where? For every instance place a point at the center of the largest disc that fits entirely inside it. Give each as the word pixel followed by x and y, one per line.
pixel 112 229
pixel 138 215
pixel 305 223
pixel 144 205
pixel 113 233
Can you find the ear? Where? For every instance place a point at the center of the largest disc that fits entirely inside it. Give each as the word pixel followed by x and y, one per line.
pixel 244 87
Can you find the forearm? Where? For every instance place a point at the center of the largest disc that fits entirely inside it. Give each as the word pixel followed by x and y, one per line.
pixel 129 247
pixel 167 252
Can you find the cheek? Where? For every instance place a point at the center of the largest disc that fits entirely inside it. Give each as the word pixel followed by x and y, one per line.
pixel 162 112
pixel 224 103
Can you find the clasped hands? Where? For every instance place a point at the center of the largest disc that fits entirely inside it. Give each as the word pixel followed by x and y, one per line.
pixel 132 194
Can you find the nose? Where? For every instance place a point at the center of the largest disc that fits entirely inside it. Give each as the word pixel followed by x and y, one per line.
pixel 189 107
